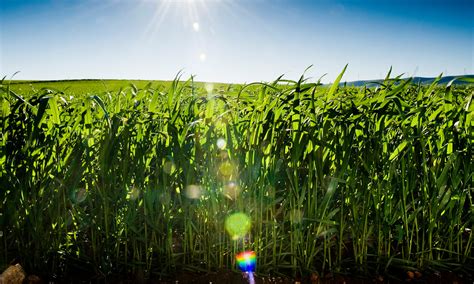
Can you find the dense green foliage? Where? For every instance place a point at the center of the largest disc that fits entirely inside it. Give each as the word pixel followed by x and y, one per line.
pixel 333 179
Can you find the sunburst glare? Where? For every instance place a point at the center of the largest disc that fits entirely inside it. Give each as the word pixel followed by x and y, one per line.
pixel 196 26
pixel 196 16
pixel 190 11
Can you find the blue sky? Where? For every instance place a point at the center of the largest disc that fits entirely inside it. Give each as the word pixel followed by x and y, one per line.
pixel 234 40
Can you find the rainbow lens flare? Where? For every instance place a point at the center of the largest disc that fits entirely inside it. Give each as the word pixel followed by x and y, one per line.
pixel 246 261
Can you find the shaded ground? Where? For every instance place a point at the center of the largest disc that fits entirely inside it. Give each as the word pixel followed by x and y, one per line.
pixel 235 278
pixel 230 277
pixel 15 274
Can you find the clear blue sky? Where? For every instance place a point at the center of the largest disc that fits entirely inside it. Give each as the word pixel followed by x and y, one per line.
pixel 234 40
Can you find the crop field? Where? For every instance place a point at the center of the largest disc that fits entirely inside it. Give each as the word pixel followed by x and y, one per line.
pixel 152 179
pixel 85 87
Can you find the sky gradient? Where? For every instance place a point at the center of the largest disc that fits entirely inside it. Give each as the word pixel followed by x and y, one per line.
pixel 234 40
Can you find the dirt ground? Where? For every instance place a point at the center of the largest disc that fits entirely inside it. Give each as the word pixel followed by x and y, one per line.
pixel 16 274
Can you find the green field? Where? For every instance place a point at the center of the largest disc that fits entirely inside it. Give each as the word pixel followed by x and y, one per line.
pixel 84 87
pixel 103 178
pixel 81 87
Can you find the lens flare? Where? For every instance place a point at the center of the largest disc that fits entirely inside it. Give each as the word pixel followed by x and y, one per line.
pixel 202 57
pixel 169 167
pixel 237 225
pixel 226 170
pixel 193 191
pixel 246 261
pixel 196 26
pixel 79 195
pixel 223 155
pixel 231 190
pixel 133 193
pixel 221 143
pixel 296 216
pixel 209 88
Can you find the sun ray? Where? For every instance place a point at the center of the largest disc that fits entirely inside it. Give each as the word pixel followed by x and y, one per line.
pixel 158 18
pixel 199 18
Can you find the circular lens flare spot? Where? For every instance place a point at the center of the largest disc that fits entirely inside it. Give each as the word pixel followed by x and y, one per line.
pixel 202 57
pixel 223 155
pixel 237 225
pixel 169 167
pixel 221 143
pixel 133 193
pixel 226 170
pixel 193 191
pixel 231 190
pixel 79 195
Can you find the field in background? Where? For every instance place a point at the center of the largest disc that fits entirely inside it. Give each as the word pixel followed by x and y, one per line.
pixel 150 181
pixel 84 87
pixel 92 86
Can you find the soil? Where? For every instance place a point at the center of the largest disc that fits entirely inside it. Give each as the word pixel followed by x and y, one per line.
pixel 16 272
pixel 230 277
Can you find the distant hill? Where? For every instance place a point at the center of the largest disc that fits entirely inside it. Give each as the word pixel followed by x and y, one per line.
pixel 465 79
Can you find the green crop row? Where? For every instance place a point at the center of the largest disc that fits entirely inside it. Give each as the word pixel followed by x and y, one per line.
pixel 142 180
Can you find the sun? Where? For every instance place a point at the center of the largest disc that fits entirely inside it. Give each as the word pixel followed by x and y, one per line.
pixel 189 10
pixel 198 18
